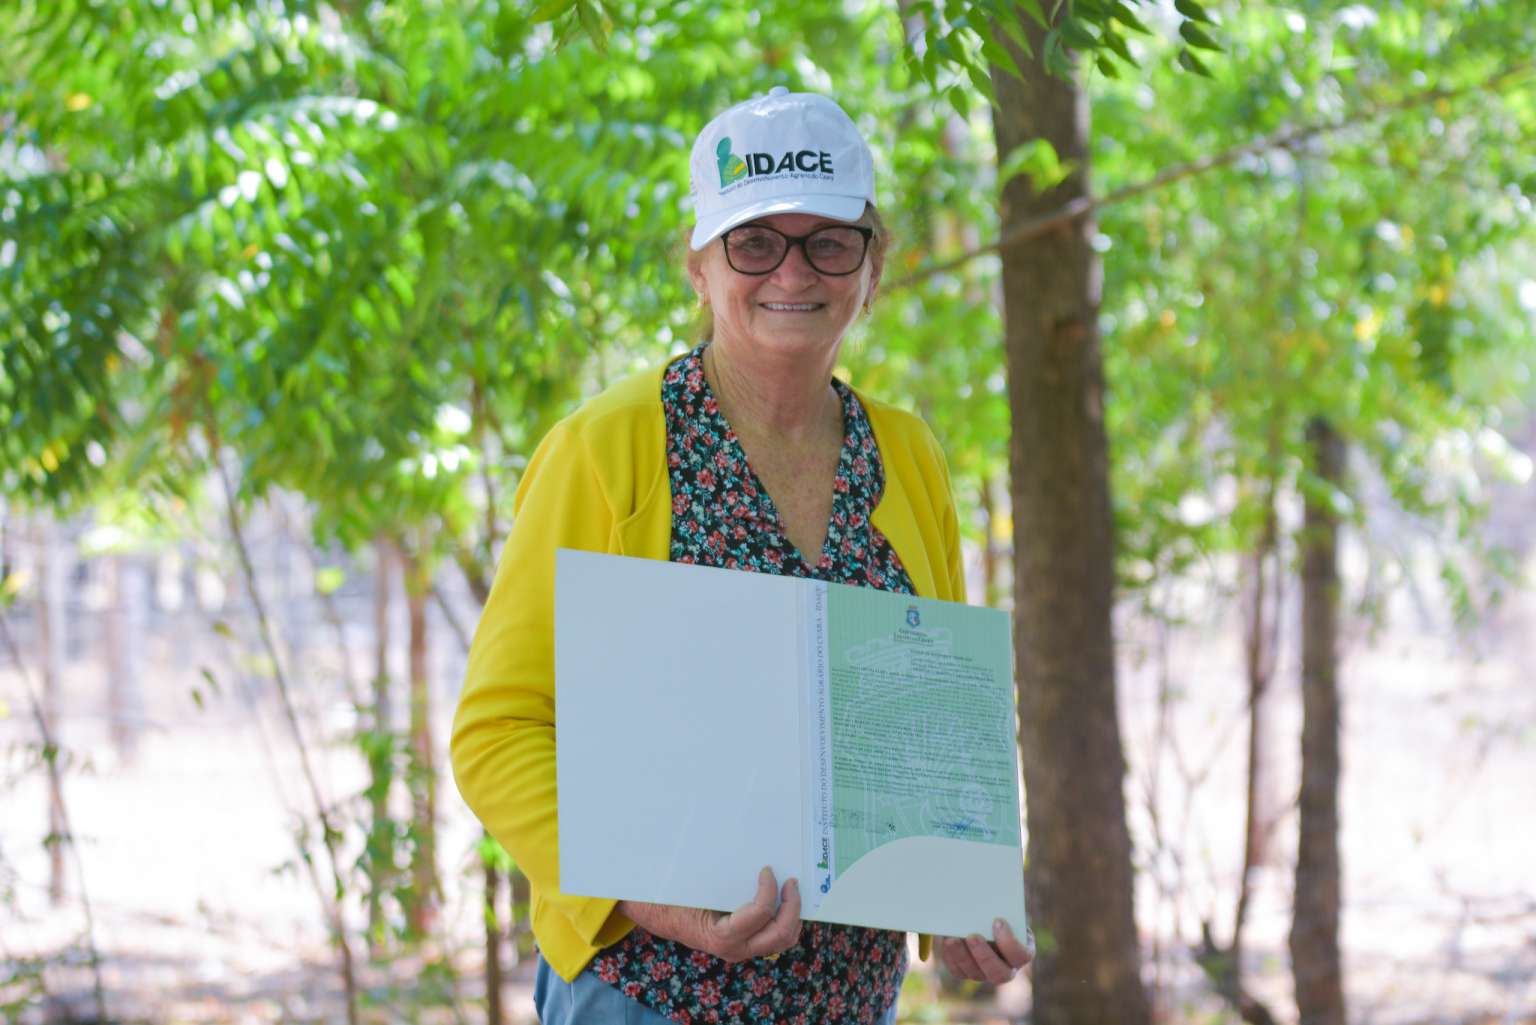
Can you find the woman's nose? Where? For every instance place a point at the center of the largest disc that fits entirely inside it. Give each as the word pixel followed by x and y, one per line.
pixel 796 267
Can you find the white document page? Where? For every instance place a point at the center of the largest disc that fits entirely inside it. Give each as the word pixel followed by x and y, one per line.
pixel 677 730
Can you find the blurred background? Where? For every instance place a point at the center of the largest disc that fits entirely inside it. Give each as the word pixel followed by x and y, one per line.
pixel 1225 316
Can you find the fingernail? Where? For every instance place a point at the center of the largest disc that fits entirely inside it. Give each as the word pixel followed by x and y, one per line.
pixel 998 925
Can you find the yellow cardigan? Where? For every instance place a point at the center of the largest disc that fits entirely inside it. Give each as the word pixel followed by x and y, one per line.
pixel 599 482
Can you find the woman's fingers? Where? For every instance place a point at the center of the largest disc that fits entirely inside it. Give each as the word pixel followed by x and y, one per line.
pixel 750 918
pixel 957 956
pixel 784 931
pixel 762 926
pixel 1009 946
pixel 975 958
pixel 992 967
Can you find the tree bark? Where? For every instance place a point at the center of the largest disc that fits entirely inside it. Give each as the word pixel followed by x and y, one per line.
pixel 521 915
pixel 494 1013
pixel 991 555
pixel 1261 605
pixel 1262 588
pixel 1079 880
pixel 1314 939
pixel 380 748
pixel 52 657
pixel 125 627
pixel 423 772
pixel 334 899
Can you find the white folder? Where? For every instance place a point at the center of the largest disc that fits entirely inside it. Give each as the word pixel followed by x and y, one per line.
pixel 693 748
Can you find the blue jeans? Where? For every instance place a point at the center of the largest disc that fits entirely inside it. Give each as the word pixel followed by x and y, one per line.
pixel 591 1001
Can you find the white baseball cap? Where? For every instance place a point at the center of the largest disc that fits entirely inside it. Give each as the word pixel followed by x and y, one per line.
pixel 777 154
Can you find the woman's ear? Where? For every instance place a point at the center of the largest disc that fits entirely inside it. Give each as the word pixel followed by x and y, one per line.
pixel 876 267
pixel 698 279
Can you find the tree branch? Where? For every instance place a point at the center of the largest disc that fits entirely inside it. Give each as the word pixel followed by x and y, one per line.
pixel 451 618
pixel 328 833
pixel 51 752
pixel 1284 138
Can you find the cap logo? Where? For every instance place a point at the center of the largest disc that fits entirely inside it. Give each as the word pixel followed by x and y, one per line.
pixel 779 152
pixel 732 167
pixel 800 164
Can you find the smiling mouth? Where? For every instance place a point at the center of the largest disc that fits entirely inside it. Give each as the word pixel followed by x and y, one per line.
pixel 792 307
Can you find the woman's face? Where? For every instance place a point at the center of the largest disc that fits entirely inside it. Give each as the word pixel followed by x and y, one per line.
pixel 792 310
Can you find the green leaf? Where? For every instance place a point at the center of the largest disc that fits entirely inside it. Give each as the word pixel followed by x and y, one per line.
pixel 1194 35
pixel 1014 29
pixel 1116 43
pixel 1122 13
pixel 1192 10
pixel 10 587
pixel 1000 56
pixel 329 579
pixel 980 82
pixel 1038 160
pixel 1031 8
pixel 1189 62
pixel 944 48
pixel 928 66
pixel 960 102
pixel 1078 35
pixel 552 9
pixel 1056 59
pixel 593 23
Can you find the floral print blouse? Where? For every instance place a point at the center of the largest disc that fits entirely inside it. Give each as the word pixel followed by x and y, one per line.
pixel 722 516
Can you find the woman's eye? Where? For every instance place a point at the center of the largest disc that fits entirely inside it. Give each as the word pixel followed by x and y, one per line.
pixel 752 243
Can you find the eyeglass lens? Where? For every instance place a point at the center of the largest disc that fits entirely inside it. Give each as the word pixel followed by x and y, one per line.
pixel 759 249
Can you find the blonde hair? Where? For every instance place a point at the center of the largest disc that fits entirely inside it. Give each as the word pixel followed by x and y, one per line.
pixel 704 325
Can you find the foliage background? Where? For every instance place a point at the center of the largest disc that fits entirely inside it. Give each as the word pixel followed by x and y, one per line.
pixel 329 271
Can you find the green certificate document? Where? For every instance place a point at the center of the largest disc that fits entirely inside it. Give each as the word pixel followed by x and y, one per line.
pixel 913 713
pixel 858 740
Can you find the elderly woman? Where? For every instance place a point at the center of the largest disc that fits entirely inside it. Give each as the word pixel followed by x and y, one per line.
pixel 745 453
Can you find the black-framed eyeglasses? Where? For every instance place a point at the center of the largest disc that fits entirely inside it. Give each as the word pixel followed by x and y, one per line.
pixel 835 250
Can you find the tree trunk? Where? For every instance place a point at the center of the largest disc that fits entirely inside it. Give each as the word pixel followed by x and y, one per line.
pixel 991 555
pixel 521 915
pixel 6 558
pixel 1260 635
pixel 333 898
pixel 379 747
pixel 423 771
pixel 125 627
pixel 494 1014
pixel 1079 880
pixel 1314 939
pixel 1261 606
pixel 52 658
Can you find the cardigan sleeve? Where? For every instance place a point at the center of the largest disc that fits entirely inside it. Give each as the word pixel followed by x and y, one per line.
pixel 503 742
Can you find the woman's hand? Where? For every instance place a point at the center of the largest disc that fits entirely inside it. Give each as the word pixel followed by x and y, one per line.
pixel 975 958
pixel 755 929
